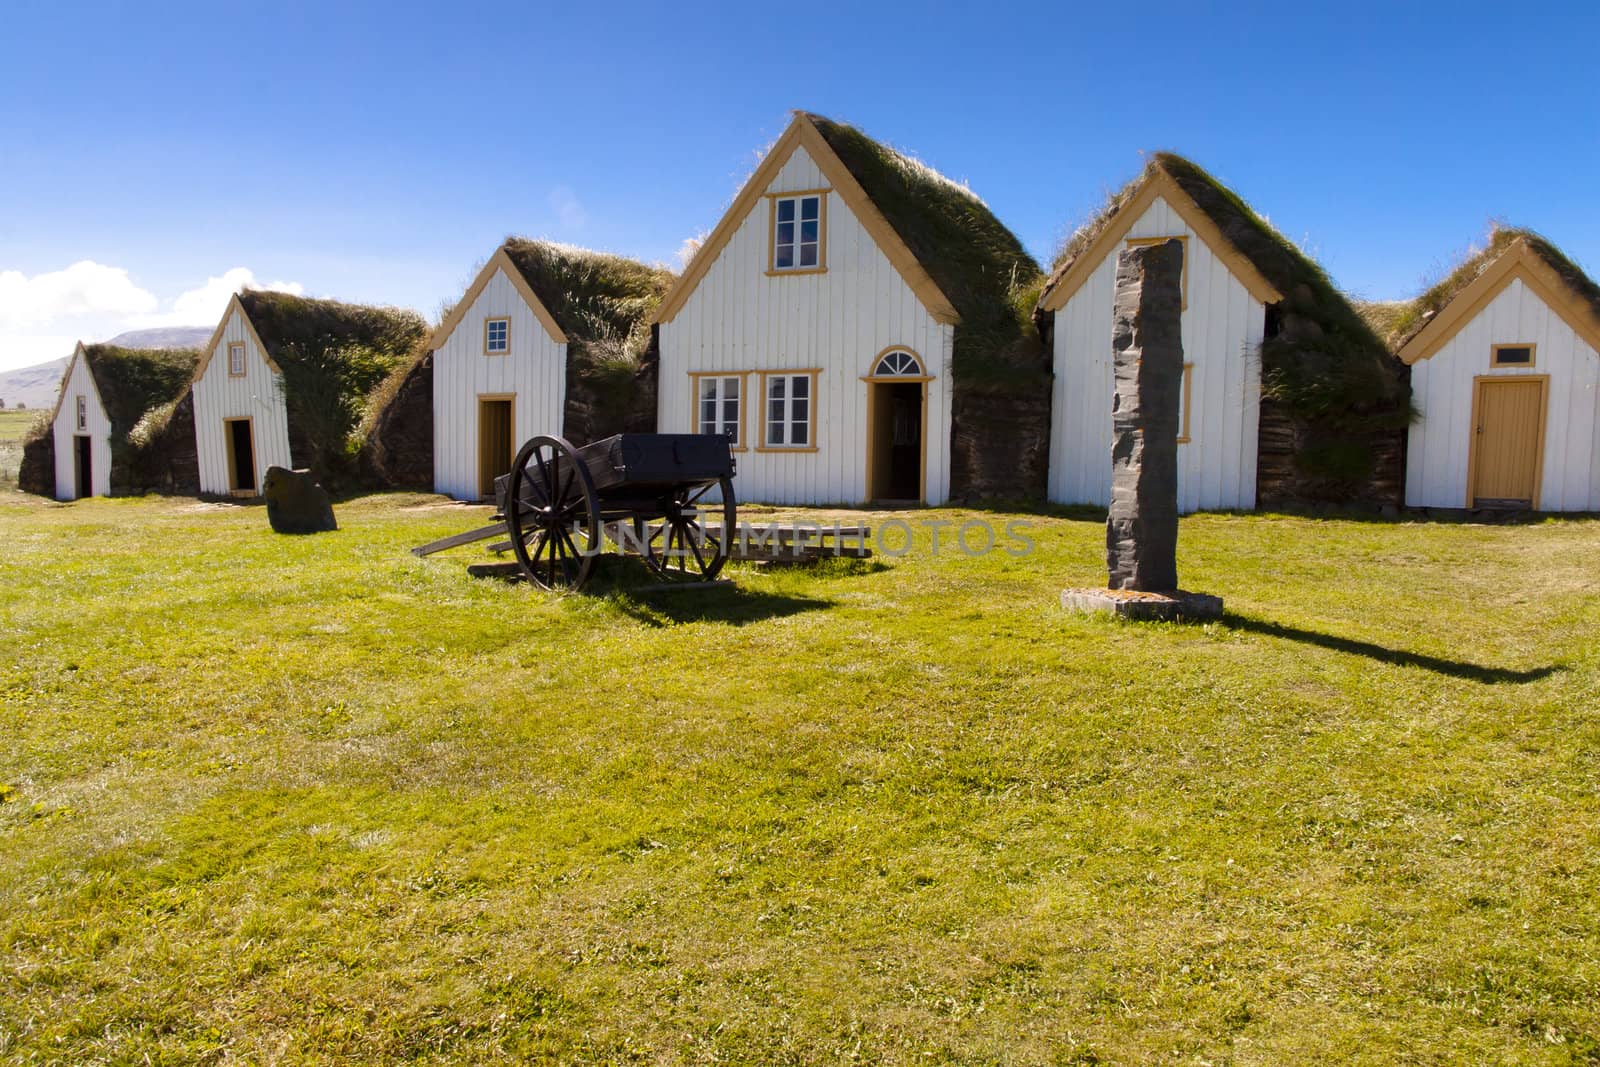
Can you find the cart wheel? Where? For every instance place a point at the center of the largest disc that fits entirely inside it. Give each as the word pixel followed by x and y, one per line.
pixel 553 514
pixel 681 548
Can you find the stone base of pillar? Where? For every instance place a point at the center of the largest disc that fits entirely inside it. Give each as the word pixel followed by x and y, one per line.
pixel 1178 605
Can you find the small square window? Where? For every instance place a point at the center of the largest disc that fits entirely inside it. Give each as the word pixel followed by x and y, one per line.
pixel 236 359
pixel 798 225
pixel 496 337
pixel 1511 356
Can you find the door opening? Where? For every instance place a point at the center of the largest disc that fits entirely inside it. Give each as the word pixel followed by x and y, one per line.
pixel 241 456
pixel 895 414
pixel 496 443
pixel 83 466
pixel 1508 441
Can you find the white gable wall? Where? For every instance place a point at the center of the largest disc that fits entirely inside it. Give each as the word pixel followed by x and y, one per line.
pixel 79 382
pixel 258 395
pixel 1442 387
pixel 535 370
pixel 740 319
pixel 1222 332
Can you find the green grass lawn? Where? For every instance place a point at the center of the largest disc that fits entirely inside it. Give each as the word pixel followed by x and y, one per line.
pixel 14 425
pixel 311 799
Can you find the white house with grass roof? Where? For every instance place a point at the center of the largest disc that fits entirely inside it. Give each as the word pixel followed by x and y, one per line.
pixel 499 377
pixel 1250 297
pixel 816 328
pixel 241 419
pixel 1505 376
pixel 81 428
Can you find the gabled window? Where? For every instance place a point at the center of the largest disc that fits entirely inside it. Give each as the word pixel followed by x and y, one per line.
pixel 719 406
pixel 790 419
pixel 799 237
pixel 1520 355
pixel 83 413
pixel 236 359
pixel 496 337
pixel 1136 242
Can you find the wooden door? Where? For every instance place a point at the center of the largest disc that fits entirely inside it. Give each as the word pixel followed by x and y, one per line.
pixel 1508 441
pixel 496 443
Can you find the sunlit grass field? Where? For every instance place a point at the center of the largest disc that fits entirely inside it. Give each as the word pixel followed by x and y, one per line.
pixel 284 800
pixel 14 425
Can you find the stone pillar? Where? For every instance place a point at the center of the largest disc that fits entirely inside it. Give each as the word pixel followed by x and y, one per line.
pixel 1146 405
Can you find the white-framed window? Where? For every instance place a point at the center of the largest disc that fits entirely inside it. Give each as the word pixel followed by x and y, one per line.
pixel 496 337
pixel 236 359
pixel 897 363
pixel 718 400
pixel 797 232
pixel 791 411
pixel 82 409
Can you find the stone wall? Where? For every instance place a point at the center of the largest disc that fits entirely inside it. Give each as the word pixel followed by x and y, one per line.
pixel 398 452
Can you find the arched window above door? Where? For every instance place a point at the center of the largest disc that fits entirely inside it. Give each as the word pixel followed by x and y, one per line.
pixel 897 363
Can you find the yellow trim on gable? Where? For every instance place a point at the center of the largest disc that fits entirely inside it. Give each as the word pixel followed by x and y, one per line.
pixel 1517 262
pixel 1162 185
pixel 801 133
pixel 500 261
pixel 234 304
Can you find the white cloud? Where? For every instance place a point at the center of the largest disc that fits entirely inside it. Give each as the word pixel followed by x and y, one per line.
pixel 568 208
pixel 204 305
pixel 86 288
pixel 41 316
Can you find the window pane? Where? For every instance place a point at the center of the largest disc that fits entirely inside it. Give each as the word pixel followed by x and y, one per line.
pixel 783 258
pixel 708 388
pixel 1514 355
pixel 708 416
pixel 730 410
pixel 810 207
pixel 775 432
pixel 775 387
pixel 798 410
pixel 785 233
pixel 785 210
pixel 730 387
pixel 808 232
pixel 808 255
pixel 798 432
pixel 802 385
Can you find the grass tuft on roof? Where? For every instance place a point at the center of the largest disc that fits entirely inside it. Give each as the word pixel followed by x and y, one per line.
pixel 1416 315
pixel 979 264
pixel 133 381
pixel 1325 363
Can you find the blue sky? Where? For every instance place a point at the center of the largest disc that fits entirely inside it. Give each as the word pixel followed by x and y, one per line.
pixel 153 156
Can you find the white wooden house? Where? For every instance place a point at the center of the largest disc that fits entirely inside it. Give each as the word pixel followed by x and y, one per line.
pixel 809 331
pixel 1505 376
pixel 82 431
pixel 241 420
pixel 244 405
pixel 1224 318
pixel 499 377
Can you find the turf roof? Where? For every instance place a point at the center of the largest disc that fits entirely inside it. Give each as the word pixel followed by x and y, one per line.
pixel 593 296
pixel 1416 315
pixel 972 257
pixel 133 381
pixel 1326 362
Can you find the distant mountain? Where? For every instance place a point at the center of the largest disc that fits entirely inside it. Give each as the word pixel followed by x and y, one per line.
pixel 33 386
pixel 171 337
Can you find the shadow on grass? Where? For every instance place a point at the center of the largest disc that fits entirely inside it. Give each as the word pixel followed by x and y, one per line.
pixel 1471 672
pixel 634 590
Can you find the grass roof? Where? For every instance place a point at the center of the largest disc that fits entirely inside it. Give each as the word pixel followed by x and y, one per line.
pixel 1325 362
pixel 133 381
pixel 979 264
pixel 1416 315
pixel 597 298
pixel 333 356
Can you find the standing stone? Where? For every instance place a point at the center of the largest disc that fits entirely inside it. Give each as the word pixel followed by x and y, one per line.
pixel 296 503
pixel 1147 352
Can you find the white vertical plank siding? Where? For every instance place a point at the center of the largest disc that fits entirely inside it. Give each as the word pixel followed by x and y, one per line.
pixel 740 319
pixel 258 395
pixel 79 382
pixel 1222 331
pixel 535 370
pixel 1442 387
